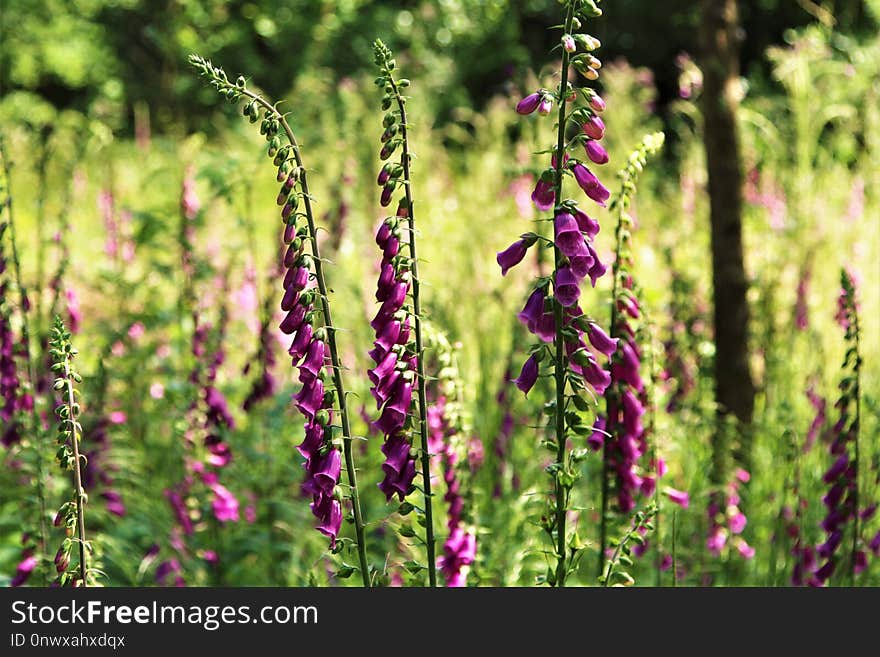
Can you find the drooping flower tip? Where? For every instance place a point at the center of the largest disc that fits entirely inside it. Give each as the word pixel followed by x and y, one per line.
pixel 511 256
pixel 678 497
pixel 529 104
pixel 594 128
pixel 528 375
pixel 596 152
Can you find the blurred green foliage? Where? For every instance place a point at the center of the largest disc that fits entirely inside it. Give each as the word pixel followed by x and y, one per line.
pixel 103 57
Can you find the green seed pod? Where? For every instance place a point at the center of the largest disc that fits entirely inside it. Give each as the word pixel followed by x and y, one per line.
pixel 240 82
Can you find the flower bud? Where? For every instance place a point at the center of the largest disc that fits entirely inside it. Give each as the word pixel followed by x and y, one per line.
pixel 568 43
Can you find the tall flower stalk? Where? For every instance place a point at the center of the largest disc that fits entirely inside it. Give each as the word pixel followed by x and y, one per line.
pixel 557 320
pixel 399 277
pixel 626 397
pixel 26 401
pixel 842 500
pixel 311 348
pixel 72 513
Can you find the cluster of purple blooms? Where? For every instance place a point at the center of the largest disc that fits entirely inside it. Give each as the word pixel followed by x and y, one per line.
pixel 842 498
pixel 627 442
pixel 460 547
pixel 574 232
pixel 394 374
pixel 726 519
pixel 264 385
pixel 310 354
pixel 13 399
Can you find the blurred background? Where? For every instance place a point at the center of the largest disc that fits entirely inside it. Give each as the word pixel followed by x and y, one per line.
pixel 110 131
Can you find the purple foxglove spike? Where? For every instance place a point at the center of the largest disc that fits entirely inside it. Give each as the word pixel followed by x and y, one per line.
pixel 544 196
pixel 596 152
pixel 534 308
pixel 293 320
pixel 605 344
pixel 301 341
pixel 568 236
pixel 313 363
pixel 328 511
pixel 590 184
pixel 586 224
pixel 566 287
pixel 310 398
pixel 528 375
pixel 594 128
pixel 289 299
pixel 511 256
pixel 529 104
pixel 597 377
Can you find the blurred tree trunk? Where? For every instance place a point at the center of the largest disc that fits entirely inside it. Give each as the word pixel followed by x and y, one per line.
pixel 734 389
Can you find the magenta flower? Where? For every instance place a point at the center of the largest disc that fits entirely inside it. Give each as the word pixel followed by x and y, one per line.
pixel 586 224
pixel 596 103
pixel 594 128
pixel 601 340
pixel 224 504
pixel 529 104
pixel 596 152
pixel 544 196
pixel 568 238
pixel 590 184
pixel 528 375
pixel 566 287
pixel 511 256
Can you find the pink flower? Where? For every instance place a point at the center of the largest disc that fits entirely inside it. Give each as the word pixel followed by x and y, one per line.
pixel 157 390
pixel 678 497
pixel 745 550
pixel 136 331
pixel 737 522
pixel 118 417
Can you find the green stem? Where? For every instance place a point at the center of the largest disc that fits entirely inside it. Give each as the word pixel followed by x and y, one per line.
pixel 29 364
pixel 420 351
pixel 560 364
pixel 350 469
pixel 77 471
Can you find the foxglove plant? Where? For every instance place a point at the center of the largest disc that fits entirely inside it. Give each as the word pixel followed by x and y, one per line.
pixel 557 319
pixel 400 368
pixel 842 499
pixel 72 513
pixel 264 385
pixel 25 402
pixel 626 397
pixel 313 350
pixel 454 454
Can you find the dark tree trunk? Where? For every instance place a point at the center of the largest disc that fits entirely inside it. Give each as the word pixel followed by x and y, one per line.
pixel 734 389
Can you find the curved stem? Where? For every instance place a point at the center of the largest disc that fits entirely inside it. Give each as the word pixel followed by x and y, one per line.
pixel 420 352
pixel 560 364
pixel 350 469
pixel 29 364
